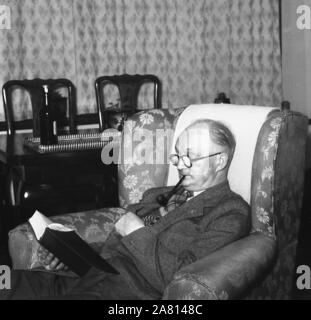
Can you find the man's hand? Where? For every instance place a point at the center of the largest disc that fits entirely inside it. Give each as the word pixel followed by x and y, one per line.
pixel 128 224
pixel 49 261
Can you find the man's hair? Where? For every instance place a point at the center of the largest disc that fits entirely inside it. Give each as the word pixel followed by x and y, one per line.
pixel 220 134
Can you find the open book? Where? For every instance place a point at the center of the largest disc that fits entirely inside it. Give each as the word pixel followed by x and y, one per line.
pixel 67 246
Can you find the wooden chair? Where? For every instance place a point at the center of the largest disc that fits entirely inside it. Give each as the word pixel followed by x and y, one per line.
pixel 129 88
pixel 35 90
pixel 222 98
pixel 285 105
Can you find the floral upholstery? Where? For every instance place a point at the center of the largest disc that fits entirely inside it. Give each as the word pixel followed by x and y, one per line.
pixel 260 266
pixel 263 176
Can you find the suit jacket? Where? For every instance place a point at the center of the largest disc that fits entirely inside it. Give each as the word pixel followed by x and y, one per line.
pixel 149 257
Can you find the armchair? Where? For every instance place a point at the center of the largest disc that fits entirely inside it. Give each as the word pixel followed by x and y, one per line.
pixel 267 170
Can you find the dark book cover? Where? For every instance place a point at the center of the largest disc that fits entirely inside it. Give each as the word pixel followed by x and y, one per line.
pixel 74 252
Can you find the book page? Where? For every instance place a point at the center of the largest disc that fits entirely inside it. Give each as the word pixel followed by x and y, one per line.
pixel 39 223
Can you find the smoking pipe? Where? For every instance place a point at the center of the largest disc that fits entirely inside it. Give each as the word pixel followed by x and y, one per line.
pixel 163 199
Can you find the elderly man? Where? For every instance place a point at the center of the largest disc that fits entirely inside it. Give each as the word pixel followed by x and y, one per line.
pixel 151 242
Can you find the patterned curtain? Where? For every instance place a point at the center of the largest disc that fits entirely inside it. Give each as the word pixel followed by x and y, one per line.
pixel 196 47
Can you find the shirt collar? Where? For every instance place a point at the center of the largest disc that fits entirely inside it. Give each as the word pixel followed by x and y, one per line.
pixel 212 190
pixel 196 193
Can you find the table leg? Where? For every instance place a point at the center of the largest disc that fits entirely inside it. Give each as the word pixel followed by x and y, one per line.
pixel 15 183
pixel 11 190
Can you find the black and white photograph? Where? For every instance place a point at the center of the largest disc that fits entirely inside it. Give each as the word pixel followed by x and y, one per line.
pixel 155 150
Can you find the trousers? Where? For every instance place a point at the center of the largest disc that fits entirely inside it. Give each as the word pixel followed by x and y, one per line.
pixel 41 285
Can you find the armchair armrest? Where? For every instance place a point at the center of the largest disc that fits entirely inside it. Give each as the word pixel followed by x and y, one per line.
pixel 93 226
pixel 225 273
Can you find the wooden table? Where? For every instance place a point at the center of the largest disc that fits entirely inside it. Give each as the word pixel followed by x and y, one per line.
pixel 26 168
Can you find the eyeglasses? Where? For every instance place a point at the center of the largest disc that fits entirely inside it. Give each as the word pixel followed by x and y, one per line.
pixel 174 158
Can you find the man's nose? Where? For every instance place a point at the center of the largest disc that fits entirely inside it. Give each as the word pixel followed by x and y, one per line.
pixel 180 164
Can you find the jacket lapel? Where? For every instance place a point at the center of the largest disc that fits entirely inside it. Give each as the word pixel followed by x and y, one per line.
pixel 194 207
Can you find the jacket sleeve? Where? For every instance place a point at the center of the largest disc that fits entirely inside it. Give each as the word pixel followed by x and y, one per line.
pixel 150 196
pixel 148 202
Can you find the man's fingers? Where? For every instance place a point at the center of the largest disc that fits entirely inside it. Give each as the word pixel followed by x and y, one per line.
pixel 54 263
pixel 45 259
pixel 61 266
pixel 49 258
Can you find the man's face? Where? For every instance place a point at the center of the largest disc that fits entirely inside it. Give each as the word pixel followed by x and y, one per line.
pixel 195 143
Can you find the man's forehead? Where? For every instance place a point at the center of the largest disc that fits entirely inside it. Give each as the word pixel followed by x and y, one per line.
pixel 195 139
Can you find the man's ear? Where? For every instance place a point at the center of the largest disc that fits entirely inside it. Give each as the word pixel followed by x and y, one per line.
pixel 222 161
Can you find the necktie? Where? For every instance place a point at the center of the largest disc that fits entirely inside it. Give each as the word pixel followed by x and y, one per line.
pixel 174 202
pixel 178 199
